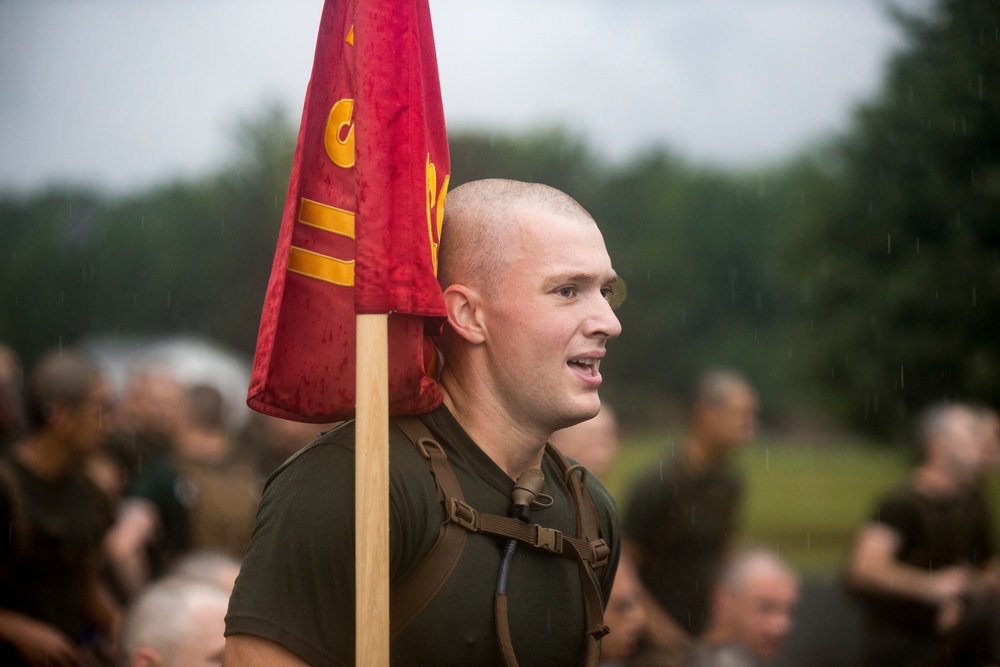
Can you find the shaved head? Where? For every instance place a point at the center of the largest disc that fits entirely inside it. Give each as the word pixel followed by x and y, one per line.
pixel 479 217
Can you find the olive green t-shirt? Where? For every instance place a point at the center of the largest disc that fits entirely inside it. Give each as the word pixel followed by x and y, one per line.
pixel 296 587
pixel 684 521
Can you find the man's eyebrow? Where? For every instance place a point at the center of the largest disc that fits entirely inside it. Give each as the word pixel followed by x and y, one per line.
pixel 577 277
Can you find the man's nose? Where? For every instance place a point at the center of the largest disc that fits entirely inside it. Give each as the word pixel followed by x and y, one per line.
pixel 605 322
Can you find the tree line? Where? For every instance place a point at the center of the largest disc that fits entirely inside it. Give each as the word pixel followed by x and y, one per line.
pixel 854 283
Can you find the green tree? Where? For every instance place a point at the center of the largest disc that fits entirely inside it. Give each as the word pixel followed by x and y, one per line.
pixel 902 272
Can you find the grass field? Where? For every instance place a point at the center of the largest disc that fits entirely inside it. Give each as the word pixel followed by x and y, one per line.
pixel 806 501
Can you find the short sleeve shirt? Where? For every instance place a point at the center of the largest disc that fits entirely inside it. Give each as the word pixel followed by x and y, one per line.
pixel 934 533
pixel 296 587
pixel 683 522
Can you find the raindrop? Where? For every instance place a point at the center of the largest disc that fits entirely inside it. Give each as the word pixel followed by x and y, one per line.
pixel 767 458
pixel 973 297
pixel 980 86
pixel 168 298
pixel 902 378
pixel 918 245
pixel 889 243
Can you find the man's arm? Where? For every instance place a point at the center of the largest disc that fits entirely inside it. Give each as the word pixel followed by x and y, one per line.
pixel 250 651
pixel 873 567
pixel 38 643
pixel 662 630
pixel 125 544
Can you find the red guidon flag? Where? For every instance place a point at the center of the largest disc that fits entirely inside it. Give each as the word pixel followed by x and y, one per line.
pixel 362 219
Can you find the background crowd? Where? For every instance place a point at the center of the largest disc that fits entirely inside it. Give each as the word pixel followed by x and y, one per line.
pixel 129 509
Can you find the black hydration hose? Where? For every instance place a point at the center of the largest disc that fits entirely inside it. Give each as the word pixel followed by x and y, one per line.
pixel 526 489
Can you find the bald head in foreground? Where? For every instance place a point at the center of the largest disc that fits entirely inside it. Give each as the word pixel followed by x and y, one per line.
pixel 752 612
pixel 176 622
pixel 527 286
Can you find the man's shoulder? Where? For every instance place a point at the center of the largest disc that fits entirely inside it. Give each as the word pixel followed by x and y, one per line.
pixel 329 459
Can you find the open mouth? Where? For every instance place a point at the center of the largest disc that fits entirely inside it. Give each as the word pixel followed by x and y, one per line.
pixel 586 366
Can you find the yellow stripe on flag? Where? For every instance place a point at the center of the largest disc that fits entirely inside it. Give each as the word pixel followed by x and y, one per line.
pixel 321 267
pixel 326 217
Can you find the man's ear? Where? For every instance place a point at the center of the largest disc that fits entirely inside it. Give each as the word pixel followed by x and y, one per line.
pixel 465 313
pixel 145 656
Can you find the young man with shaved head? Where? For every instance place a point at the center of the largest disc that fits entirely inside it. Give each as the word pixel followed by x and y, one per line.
pixel 527 286
pixel 925 565
pixel 682 515
pixel 54 606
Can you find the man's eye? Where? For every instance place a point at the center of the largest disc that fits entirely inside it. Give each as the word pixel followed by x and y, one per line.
pixel 566 291
pixel 615 293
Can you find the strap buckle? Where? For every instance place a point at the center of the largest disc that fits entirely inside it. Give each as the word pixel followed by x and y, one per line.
pixel 548 539
pixel 463 514
pixel 602 553
pixel 422 444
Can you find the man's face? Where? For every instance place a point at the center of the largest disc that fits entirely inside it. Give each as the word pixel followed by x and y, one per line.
pixel 88 422
pixel 625 616
pixel 964 447
pixel 762 612
pixel 732 422
pixel 547 323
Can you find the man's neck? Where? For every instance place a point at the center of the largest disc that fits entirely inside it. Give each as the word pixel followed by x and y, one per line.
pixel 700 456
pixel 506 441
pixel 203 446
pixel 45 456
pixel 933 482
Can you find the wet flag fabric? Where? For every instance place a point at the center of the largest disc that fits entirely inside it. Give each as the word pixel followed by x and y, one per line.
pixel 362 218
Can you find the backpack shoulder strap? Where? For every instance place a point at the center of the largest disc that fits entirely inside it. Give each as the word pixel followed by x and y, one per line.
pixel 425 580
pixel 588 525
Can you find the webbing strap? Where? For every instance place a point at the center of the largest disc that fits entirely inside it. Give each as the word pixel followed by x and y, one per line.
pixel 594 553
pixel 411 596
pixel 587 524
pixel 425 581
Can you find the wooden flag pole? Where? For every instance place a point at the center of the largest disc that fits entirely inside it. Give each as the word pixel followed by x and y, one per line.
pixel 371 492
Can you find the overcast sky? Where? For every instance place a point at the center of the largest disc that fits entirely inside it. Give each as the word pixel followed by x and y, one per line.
pixel 123 93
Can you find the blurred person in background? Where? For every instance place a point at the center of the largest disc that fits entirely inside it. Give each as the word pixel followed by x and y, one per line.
pixel 54 608
pixel 681 517
pixel 211 567
pixel 924 566
pixel 270 441
pixel 753 604
pixel 202 497
pixel 151 415
pixel 625 616
pixel 593 443
pixel 176 622
pixel 13 421
pixel 989 428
